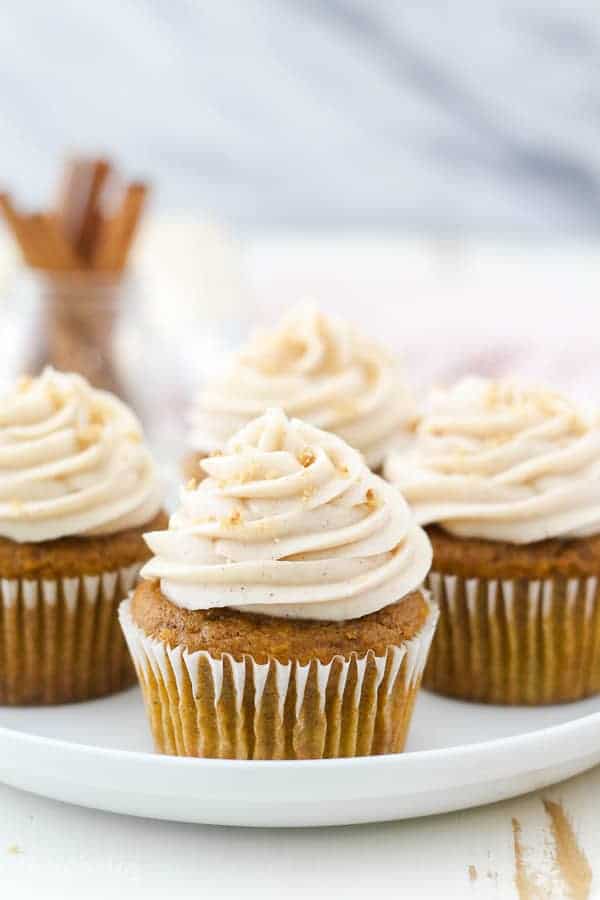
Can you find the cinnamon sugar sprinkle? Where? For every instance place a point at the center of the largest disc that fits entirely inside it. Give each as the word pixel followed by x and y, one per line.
pixel 568 866
pixel 234 518
pixel 24 383
pixel 371 499
pixel 86 435
pixel 307 457
pixel 572 862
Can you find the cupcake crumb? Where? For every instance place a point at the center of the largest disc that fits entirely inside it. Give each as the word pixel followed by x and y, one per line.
pixel 234 518
pixel 307 457
pixel 578 425
pixel 56 398
pixel 86 435
pixel 371 499
pixel 96 416
pixel 24 383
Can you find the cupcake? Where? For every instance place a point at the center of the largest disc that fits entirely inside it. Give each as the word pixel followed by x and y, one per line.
pixel 317 368
pixel 282 615
pixel 78 488
pixel 507 480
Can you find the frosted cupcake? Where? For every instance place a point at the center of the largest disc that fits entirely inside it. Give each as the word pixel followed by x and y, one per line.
pixel 507 480
pixel 77 490
pixel 283 614
pixel 319 369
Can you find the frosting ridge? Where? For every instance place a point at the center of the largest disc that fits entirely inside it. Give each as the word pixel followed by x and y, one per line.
pixel 290 522
pixel 317 368
pixel 503 461
pixel 72 462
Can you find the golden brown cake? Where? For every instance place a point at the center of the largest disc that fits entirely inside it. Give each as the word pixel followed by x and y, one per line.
pixel 507 481
pixel 283 615
pixel 224 630
pixel 68 557
pixel 77 491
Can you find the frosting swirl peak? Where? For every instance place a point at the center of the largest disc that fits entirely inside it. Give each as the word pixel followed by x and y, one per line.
pixel 290 522
pixel 319 369
pixel 72 462
pixel 501 461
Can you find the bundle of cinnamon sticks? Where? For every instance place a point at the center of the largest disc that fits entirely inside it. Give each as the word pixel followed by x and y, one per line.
pixel 78 252
pixel 91 227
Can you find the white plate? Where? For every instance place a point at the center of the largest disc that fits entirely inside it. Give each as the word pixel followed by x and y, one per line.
pixel 99 754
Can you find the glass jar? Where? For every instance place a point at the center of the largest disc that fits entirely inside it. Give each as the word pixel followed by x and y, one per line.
pixel 99 327
pixel 153 337
pixel 78 317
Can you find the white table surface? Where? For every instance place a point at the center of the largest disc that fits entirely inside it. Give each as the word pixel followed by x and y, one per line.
pixel 66 851
pixel 534 310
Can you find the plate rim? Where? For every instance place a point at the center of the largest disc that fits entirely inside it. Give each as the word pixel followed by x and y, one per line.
pixel 344 791
pixel 494 747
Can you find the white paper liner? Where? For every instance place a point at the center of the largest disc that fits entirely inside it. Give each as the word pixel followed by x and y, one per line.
pixel 515 641
pixel 60 638
pixel 281 701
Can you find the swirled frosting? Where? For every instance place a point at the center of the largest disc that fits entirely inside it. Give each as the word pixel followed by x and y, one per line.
pixel 72 462
pixel 290 522
pixel 500 461
pixel 319 369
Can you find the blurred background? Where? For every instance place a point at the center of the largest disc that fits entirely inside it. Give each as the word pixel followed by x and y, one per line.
pixel 455 118
pixel 430 170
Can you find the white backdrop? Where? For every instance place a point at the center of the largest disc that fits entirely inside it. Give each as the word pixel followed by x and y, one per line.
pixel 458 116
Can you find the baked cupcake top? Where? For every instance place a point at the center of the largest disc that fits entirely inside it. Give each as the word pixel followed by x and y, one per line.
pixel 315 367
pixel 502 461
pixel 72 462
pixel 289 523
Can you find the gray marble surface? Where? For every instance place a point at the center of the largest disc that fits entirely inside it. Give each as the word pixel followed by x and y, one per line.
pixel 463 117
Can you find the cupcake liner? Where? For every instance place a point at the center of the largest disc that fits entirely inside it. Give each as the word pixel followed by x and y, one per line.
pixel 199 705
pixel 515 641
pixel 60 639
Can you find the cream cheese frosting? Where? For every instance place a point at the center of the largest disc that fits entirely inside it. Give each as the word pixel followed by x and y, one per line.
pixel 290 522
pixel 503 461
pixel 72 462
pixel 319 369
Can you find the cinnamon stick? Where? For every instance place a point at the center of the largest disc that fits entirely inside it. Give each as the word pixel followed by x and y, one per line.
pixel 17 226
pixel 117 232
pixel 79 235
pixel 40 258
pixel 52 248
pixel 65 257
pixel 91 215
pixel 71 199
